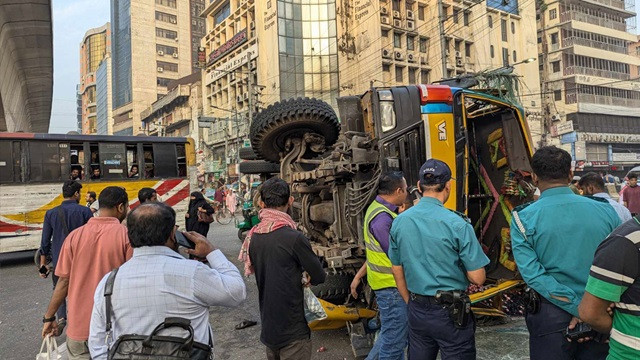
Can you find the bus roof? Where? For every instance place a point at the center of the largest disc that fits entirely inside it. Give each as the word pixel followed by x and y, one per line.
pixel 93 138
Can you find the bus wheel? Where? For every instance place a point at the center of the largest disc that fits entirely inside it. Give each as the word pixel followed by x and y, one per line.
pixel 258 167
pixel 290 119
pixel 247 153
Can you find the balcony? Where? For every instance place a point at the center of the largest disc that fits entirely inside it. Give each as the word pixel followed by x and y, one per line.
pixel 570 41
pixel 581 70
pixel 608 100
pixel 591 19
pixel 618 4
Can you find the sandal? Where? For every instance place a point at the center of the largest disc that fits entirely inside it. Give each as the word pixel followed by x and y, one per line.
pixel 245 324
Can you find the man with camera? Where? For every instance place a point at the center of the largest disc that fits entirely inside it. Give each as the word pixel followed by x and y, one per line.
pixel 158 283
pixel 435 254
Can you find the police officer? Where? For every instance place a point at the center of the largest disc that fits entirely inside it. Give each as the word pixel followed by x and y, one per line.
pixel 554 240
pixel 435 253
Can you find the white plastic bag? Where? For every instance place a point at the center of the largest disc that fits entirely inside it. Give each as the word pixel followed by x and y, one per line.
pixel 313 310
pixel 49 349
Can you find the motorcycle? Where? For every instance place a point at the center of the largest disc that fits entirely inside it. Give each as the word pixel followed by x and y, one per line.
pixel 250 215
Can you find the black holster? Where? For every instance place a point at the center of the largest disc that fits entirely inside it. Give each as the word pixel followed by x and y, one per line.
pixel 458 304
pixel 532 301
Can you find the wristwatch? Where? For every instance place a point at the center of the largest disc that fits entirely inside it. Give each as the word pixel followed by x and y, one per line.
pixel 46 320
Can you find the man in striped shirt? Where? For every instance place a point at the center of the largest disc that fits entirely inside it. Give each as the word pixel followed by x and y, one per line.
pixel 615 278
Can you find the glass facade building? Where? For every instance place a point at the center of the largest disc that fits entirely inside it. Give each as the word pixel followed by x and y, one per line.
pixel 121 52
pixel 308 51
pixel 102 93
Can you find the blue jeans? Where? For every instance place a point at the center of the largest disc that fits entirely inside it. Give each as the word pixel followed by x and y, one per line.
pixel 392 338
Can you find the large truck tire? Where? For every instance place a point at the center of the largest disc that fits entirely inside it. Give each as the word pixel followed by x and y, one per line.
pixel 247 153
pixel 258 167
pixel 292 118
pixel 335 288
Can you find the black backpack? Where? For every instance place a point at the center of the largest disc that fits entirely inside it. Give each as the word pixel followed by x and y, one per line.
pixel 154 346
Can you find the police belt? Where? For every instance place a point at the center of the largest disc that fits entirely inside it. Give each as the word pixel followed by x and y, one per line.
pixel 424 299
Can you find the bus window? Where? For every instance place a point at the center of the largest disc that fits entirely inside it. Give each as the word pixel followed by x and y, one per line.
pixel 94 161
pixel 6 162
pixel 168 167
pixel 132 161
pixel 113 161
pixel 76 160
pixel 182 160
pixel 17 161
pixel 149 169
pixel 48 161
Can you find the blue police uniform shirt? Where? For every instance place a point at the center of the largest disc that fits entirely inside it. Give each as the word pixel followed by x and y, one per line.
pixel 436 247
pixel 561 233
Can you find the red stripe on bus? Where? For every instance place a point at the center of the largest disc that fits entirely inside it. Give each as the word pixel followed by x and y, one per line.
pixel 12 228
pixel 163 189
pixel 179 196
pixel 17 135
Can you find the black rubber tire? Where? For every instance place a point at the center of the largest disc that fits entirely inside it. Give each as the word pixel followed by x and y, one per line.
pixel 242 234
pixel 290 119
pixel 258 167
pixel 335 288
pixel 247 153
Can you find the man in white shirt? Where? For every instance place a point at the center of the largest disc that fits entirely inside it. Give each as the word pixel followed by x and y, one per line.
pixel 158 283
pixel 593 184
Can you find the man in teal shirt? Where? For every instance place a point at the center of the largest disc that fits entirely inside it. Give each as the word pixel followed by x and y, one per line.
pixel 435 249
pixel 554 240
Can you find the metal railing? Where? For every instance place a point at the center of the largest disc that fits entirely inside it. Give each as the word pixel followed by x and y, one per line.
pixel 570 41
pixel 581 70
pixel 608 100
pixel 591 19
pixel 618 4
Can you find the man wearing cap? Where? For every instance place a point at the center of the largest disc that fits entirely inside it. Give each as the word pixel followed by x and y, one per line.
pixel 574 185
pixel 434 251
pixel 554 252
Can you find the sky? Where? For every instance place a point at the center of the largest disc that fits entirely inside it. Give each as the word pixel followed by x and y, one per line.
pixel 71 19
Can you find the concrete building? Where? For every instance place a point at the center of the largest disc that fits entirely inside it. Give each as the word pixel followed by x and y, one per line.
pixel 329 48
pixel 104 94
pixel 591 102
pixel 152 46
pixel 95 45
pixel 26 65
pixel 634 49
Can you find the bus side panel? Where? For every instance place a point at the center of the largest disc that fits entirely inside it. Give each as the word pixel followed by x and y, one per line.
pixel 441 145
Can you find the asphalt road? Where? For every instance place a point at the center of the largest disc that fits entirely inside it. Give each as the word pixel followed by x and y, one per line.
pixel 24 298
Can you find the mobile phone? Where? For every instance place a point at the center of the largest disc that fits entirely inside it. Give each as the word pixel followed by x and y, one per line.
pixel 183 241
pixel 44 270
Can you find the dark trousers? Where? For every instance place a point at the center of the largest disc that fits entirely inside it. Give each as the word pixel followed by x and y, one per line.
pixel 62 310
pixel 432 330
pixel 545 346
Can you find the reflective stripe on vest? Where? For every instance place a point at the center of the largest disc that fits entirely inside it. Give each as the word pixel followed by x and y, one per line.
pixel 379 273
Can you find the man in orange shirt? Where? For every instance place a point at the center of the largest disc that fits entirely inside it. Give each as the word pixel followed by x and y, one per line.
pixel 88 253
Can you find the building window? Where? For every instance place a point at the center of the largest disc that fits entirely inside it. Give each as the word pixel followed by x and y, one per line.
pixel 491 51
pixel 553 13
pixel 465 18
pixel 505 57
pixel 411 43
pixel 412 76
pixel 423 45
pixel 169 3
pixel 166 50
pixel 222 14
pixel 455 15
pixel 160 16
pixel 597 152
pixel 557 95
pixel 395 5
pixel 397 40
pixel 384 33
pixel 399 74
pixel 424 77
pixel 467 49
pixel 386 67
pixel 421 12
pixel 514 56
pixel 554 38
pixel 513 27
pixel 490 19
pixel 164 82
pixel 555 66
pixel 503 28
pixel 456 45
pixel 167 34
pixel 167 66
pixel 539 40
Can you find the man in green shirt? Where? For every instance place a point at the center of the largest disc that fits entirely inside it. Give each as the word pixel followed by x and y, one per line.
pixel 615 278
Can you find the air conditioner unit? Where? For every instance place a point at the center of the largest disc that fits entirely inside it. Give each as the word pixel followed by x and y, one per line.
pixel 253 64
pixel 386 53
pixel 239 98
pixel 176 39
pixel 458 55
pixel 459 62
pixel 252 25
pixel 411 58
pixel 173 21
pixel 397 23
pixel 384 10
pixel 175 55
pixel 160 52
pixel 555 117
pixel 424 60
pixel 396 14
pixel 385 20
pixel 410 15
pixel 245 96
pixel 399 55
pixel 411 25
pixel 160 69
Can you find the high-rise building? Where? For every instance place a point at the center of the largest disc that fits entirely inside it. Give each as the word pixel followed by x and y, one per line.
pixel 95 45
pixel 328 48
pixel 152 45
pixel 104 117
pixel 634 49
pixel 590 98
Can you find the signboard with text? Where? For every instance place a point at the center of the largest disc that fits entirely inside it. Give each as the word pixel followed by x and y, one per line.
pixel 237 40
pixel 626 157
pixel 231 64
